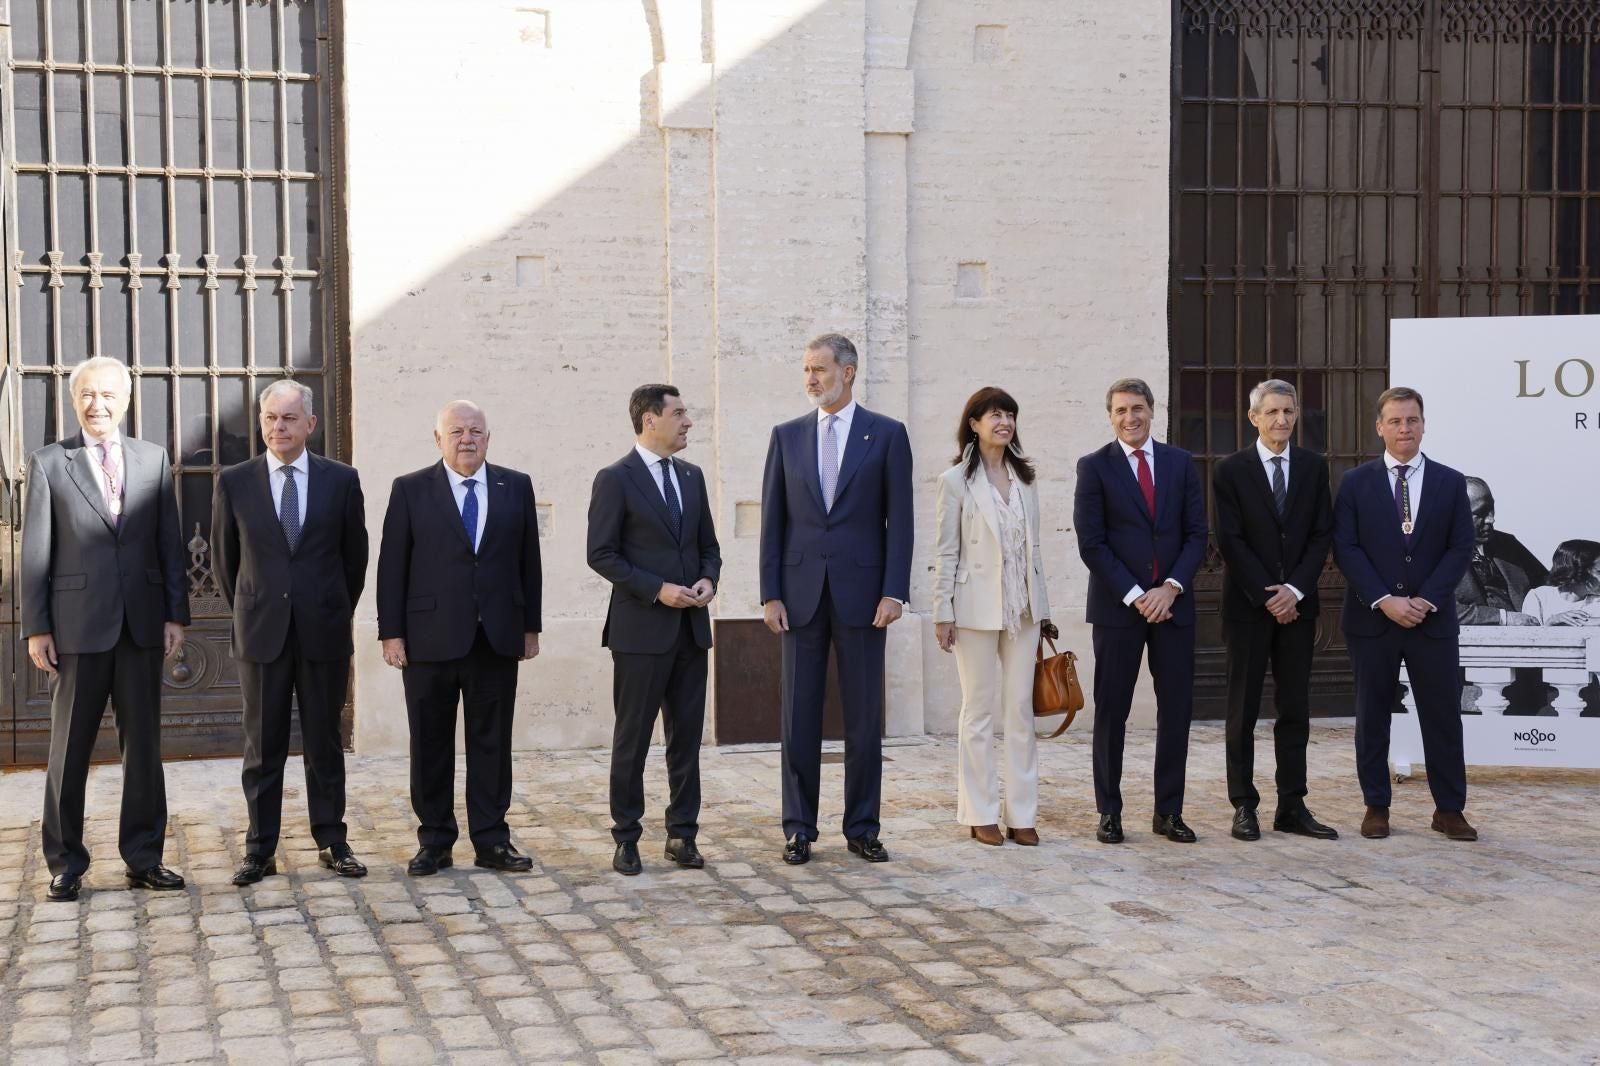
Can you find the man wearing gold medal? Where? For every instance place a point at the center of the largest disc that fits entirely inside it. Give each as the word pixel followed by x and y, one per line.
pixel 1403 537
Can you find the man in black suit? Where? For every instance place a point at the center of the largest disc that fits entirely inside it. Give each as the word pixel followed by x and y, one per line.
pixel 1492 591
pixel 104 596
pixel 836 538
pixel 289 543
pixel 1141 522
pixel 1274 525
pixel 651 536
pixel 1402 534
pixel 458 607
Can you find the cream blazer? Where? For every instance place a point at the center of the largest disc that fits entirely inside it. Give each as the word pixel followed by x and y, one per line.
pixel 967 574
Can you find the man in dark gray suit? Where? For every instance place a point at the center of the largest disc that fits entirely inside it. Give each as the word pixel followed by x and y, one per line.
pixel 289 530
pixel 103 598
pixel 651 536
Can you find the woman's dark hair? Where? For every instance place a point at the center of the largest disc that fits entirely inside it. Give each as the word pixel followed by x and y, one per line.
pixel 981 403
pixel 1572 567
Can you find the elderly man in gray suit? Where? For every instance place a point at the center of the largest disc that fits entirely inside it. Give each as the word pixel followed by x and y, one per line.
pixel 103 598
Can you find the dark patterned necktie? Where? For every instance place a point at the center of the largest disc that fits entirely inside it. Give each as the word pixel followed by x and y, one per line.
pixel 1402 499
pixel 469 512
pixel 1280 487
pixel 289 509
pixel 674 508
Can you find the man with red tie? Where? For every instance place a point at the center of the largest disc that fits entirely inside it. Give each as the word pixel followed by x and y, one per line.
pixel 1141 523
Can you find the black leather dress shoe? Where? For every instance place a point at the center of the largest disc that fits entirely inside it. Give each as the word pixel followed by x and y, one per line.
pixel 1171 826
pixel 503 857
pixel 254 868
pixel 1299 820
pixel 682 851
pixel 157 878
pixel 341 860
pixel 429 861
pixel 797 852
pixel 626 860
pixel 869 848
pixel 1245 824
pixel 1110 829
pixel 63 888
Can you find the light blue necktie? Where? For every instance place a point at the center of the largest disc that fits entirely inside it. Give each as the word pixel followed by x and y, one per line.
pixel 830 461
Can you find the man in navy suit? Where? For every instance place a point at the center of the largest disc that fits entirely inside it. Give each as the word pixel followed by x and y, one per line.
pixel 1402 534
pixel 459 586
pixel 1141 522
pixel 836 531
pixel 651 535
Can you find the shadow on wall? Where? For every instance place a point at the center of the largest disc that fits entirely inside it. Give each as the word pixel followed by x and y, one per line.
pixel 555 248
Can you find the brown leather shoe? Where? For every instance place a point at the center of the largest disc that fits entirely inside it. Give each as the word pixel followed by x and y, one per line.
pixel 1028 838
pixel 1375 826
pixel 988 834
pixel 1453 824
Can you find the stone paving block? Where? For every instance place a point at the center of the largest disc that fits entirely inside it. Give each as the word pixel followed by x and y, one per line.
pixel 190 1046
pixel 383 1019
pixel 541 1043
pixel 406 1051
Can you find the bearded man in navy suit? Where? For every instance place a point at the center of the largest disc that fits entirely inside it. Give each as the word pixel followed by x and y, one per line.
pixel 1402 534
pixel 1141 522
pixel 836 533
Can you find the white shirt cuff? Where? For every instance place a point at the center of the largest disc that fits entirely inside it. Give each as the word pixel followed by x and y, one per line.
pixel 1175 584
pixel 1379 600
pixel 1133 594
pixel 1298 595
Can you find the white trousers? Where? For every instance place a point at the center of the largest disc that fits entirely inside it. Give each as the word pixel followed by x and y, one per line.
pixel 997 681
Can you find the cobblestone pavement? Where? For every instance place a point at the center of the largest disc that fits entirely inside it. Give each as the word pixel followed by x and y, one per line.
pixel 1285 950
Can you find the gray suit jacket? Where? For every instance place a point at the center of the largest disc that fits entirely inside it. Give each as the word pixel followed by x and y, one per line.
pixel 81 577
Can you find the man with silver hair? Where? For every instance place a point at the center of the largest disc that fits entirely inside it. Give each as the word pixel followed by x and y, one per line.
pixel 459 586
pixel 1274 528
pixel 104 596
pixel 836 535
pixel 289 532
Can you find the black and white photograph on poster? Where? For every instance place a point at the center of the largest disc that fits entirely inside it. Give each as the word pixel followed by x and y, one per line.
pixel 1514 404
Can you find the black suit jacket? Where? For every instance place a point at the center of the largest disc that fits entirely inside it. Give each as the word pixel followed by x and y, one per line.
pixel 1263 549
pixel 264 585
pixel 1519 569
pixel 1371 550
pixel 1118 540
pixel 81 576
pixel 632 544
pixel 433 590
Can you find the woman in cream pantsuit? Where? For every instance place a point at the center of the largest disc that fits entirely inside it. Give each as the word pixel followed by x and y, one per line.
pixel 989 605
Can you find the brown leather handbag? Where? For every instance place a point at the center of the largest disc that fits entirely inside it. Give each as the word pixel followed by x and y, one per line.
pixel 1055 685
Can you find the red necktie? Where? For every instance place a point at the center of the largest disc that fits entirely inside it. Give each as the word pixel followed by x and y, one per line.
pixel 1147 485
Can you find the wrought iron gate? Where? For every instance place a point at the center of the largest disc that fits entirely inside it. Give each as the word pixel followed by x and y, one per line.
pixel 168 201
pixel 1337 163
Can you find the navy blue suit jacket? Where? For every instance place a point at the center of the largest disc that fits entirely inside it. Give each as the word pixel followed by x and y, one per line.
pixel 1377 561
pixel 862 548
pixel 1118 540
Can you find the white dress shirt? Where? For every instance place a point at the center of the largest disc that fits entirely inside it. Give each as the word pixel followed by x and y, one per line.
pixel 115 440
pixel 459 487
pixel 841 432
pixel 1267 456
pixel 1414 492
pixel 276 479
pixel 652 463
pixel 1149 449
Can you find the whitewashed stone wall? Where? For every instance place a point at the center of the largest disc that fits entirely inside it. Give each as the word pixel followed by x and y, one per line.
pixel 554 201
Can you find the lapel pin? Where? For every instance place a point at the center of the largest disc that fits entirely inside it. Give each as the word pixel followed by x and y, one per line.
pixel 866 436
